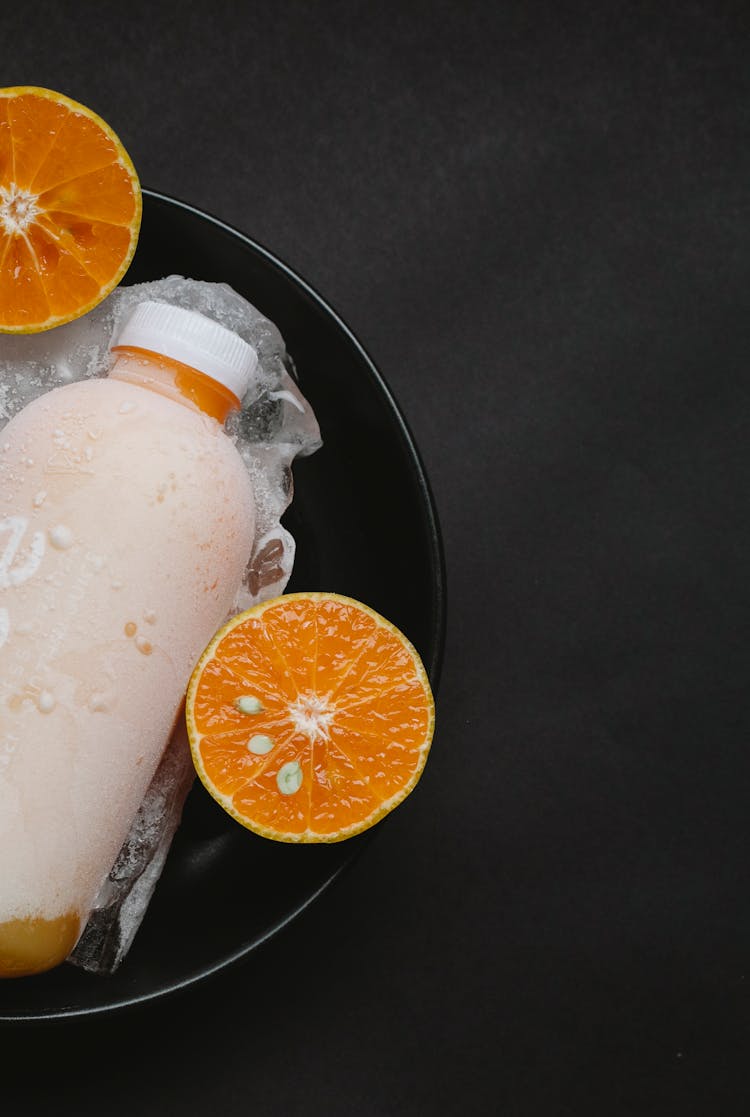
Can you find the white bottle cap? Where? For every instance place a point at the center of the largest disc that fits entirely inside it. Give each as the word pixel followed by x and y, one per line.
pixel 192 339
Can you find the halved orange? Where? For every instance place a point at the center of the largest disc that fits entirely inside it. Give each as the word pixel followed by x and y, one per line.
pixel 70 209
pixel 310 717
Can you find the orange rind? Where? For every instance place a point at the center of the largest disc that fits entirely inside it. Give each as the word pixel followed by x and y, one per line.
pixel 70 209
pixel 310 717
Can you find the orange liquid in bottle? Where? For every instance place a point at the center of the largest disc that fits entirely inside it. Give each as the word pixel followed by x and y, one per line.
pixel 126 521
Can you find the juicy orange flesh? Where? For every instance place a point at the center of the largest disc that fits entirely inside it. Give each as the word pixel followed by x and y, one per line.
pixel 85 205
pixel 308 654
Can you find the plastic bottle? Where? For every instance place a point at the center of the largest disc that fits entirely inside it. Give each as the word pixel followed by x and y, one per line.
pixel 126 522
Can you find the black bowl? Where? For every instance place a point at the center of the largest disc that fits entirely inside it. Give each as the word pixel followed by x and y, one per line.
pixel 365 526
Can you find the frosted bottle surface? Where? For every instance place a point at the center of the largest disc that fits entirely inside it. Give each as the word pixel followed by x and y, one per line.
pixel 126 522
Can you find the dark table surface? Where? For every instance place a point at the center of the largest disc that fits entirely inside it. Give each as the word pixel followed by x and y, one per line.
pixel 535 218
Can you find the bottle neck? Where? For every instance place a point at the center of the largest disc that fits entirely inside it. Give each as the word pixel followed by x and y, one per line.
pixel 173 379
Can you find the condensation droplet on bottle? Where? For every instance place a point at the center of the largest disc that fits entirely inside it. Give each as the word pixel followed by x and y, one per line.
pixel 46 702
pixel 99 703
pixel 61 537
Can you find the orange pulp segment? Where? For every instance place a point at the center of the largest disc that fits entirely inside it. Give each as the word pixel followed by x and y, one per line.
pixel 70 209
pixel 310 717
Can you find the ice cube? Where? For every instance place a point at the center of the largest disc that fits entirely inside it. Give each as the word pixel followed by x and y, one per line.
pixel 126 894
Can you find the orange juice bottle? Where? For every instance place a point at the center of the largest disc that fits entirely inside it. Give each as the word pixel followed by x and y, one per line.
pixel 126 522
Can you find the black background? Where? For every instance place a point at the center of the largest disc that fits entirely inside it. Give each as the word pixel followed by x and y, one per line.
pixel 535 218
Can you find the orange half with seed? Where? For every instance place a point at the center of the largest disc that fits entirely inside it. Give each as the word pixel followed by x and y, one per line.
pixel 70 209
pixel 310 717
